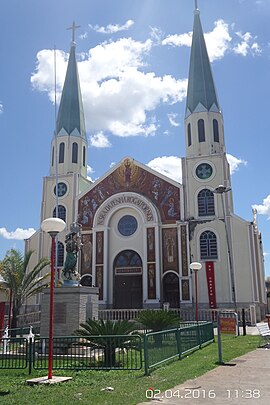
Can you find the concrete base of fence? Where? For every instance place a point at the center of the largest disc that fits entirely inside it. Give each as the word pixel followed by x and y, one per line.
pixel 45 380
pixel 72 306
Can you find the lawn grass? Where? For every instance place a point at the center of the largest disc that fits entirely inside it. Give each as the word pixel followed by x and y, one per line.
pixel 129 387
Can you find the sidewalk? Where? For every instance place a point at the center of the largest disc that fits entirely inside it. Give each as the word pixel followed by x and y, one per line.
pixel 245 381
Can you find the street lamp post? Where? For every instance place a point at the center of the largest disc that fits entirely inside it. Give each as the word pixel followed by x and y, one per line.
pixel 222 190
pixel 52 226
pixel 195 266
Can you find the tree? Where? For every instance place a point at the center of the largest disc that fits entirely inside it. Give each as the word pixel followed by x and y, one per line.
pixel 94 332
pixel 21 282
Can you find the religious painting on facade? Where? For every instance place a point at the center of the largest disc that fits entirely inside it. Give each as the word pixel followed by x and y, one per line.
pixel 151 278
pixel 184 252
pixel 185 290
pixel 99 280
pixel 130 177
pixel 86 254
pixel 170 249
pixel 99 247
pixel 151 255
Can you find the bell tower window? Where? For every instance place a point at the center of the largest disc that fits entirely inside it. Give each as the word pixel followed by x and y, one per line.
pixel 189 134
pixel 206 204
pixel 201 131
pixel 208 245
pixel 61 212
pixel 61 152
pixel 52 155
pixel 74 152
pixel 84 153
pixel 215 130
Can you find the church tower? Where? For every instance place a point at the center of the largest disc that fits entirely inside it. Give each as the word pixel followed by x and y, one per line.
pixel 205 168
pixel 68 163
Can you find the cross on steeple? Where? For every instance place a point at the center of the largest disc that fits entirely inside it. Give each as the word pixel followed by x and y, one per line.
pixel 73 28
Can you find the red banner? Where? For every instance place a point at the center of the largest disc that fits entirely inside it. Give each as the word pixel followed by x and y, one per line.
pixel 210 276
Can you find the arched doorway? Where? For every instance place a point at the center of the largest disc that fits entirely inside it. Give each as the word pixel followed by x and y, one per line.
pixel 171 290
pixel 128 280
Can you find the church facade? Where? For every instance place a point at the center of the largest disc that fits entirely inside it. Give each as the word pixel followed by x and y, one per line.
pixel 141 230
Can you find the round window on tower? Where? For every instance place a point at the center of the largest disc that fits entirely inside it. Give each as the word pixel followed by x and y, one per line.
pixel 204 171
pixel 62 189
pixel 127 225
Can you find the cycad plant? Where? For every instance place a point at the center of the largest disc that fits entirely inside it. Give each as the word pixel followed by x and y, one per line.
pixel 20 281
pixel 95 332
pixel 158 320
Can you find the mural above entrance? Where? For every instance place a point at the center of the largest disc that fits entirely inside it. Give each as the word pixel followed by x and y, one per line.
pixel 131 177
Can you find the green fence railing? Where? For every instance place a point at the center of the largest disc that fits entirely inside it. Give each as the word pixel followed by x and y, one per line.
pixel 120 352
pixel 162 346
pixel 14 353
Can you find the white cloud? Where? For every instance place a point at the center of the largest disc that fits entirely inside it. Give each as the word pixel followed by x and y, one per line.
pixel 217 41
pixel 235 162
pixel 84 35
pixel 156 34
pixel 172 118
pixel 247 45
pixel 18 234
pixel 264 208
pixel 112 28
pixel 118 96
pixel 99 140
pixel 170 166
pixel 1 107
pixel 90 171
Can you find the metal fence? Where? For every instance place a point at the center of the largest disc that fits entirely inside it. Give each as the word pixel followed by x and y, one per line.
pixel 14 353
pixel 160 347
pixel 117 352
pixel 121 352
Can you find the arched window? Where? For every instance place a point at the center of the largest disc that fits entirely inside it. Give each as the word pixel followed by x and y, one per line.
pixel 201 131
pixel 61 152
pixel 206 204
pixel 74 152
pixel 189 134
pixel 61 212
pixel 60 254
pixel 128 258
pixel 84 155
pixel 215 131
pixel 208 245
pixel 52 155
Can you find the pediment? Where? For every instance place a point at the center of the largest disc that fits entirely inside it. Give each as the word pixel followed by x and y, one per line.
pixel 131 176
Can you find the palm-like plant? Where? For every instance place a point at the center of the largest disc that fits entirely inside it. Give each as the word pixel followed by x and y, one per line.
pixel 157 321
pixel 21 282
pixel 95 334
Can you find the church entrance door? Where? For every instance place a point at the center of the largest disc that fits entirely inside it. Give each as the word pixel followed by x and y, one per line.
pixel 128 280
pixel 171 290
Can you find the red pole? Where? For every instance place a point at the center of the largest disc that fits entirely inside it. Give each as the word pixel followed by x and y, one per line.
pixel 196 294
pixel 50 354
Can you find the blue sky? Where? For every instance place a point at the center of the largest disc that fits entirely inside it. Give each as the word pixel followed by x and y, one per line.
pixel 133 58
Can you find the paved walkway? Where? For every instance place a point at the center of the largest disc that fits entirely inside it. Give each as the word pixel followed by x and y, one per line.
pixel 245 382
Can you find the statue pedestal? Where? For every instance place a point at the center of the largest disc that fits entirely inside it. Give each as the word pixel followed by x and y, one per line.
pixel 72 306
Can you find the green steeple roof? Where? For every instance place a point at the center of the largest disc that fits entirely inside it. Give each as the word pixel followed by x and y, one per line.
pixel 70 114
pixel 201 95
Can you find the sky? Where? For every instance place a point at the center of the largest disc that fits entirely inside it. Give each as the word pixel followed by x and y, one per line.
pixel 133 59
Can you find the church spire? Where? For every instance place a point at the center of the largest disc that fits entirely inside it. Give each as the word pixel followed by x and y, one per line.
pixel 70 119
pixel 201 95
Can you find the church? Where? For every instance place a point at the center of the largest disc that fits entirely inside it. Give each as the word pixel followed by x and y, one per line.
pixel 140 230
